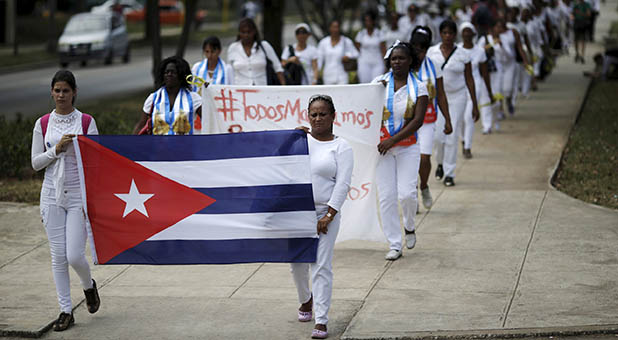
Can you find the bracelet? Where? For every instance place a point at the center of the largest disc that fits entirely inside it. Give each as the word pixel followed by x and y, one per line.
pixel 329 215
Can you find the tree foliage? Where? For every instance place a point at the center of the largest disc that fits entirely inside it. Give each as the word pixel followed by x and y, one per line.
pixel 320 13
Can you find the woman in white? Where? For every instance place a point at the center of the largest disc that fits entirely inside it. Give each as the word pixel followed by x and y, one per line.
pixel 371 43
pixel 304 55
pixel 333 51
pixel 482 84
pixel 174 108
pixel 61 198
pixel 396 174
pixel 458 81
pixel 493 49
pixel 247 57
pixel 332 160
pixel 212 68
pixel 511 45
pixel 429 73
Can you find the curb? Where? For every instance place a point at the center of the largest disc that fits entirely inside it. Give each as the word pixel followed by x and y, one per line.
pixel 499 333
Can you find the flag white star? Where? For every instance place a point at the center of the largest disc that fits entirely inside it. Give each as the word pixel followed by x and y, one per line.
pixel 134 200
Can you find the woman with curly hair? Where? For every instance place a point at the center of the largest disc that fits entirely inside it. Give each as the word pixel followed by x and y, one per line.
pixel 171 109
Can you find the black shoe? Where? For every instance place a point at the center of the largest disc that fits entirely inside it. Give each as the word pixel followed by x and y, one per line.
pixel 92 298
pixel 448 181
pixel 65 320
pixel 439 172
pixel 467 153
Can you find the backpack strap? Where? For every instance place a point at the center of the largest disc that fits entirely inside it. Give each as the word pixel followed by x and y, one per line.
pixel 86 119
pixel 44 123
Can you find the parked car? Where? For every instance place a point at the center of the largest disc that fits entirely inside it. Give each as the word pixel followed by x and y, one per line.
pixel 171 12
pixel 125 6
pixel 94 36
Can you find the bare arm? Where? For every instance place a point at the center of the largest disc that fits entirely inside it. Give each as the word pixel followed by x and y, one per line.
pixel 281 78
pixel 140 124
pixel 410 126
pixel 443 104
pixel 314 66
pixel 472 91
pixel 520 48
pixel 485 74
pixel 383 48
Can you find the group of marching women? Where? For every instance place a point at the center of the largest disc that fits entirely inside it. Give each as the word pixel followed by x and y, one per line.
pixel 433 95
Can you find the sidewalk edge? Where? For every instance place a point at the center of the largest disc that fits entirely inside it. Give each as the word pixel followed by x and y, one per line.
pixel 496 333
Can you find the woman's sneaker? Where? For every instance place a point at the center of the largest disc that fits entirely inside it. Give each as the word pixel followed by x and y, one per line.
pixel 410 239
pixel 92 298
pixel 449 182
pixel 439 172
pixel 65 320
pixel 393 254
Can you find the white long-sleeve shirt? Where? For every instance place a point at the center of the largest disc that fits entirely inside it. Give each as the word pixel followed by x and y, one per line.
pixel 330 59
pixel 60 169
pixel 251 70
pixel 331 171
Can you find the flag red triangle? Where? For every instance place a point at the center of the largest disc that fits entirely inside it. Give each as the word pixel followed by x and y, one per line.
pixel 106 174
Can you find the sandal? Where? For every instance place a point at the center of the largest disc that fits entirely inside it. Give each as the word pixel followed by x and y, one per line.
pixel 304 316
pixel 319 334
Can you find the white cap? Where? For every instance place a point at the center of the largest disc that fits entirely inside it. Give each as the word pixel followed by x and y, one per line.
pixel 302 25
pixel 466 25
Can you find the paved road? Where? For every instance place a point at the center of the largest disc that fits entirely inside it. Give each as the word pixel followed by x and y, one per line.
pixel 28 92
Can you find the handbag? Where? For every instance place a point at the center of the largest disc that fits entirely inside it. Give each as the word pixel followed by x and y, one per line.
pixel 351 64
pixel 293 72
pixel 271 75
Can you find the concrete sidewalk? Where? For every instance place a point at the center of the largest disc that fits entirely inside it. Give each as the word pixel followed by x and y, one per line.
pixel 501 253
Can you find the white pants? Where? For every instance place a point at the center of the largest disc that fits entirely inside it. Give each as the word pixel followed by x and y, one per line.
pixel 482 99
pixel 66 231
pixel 525 81
pixel 368 70
pixel 446 145
pixel 509 70
pixel 396 176
pixel 321 271
pixel 488 116
pixel 425 137
pixel 516 83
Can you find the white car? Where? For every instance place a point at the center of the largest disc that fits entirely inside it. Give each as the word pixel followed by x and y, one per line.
pixel 127 6
pixel 94 36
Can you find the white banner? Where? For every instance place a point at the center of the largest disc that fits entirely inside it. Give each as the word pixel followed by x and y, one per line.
pixel 359 113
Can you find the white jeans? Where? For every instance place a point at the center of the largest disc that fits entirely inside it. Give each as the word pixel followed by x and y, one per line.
pixel 488 116
pixel 66 231
pixel 509 70
pixel 396 176
pixel 446 145
pixel 482 98
pixel 321 271
pixel 525 81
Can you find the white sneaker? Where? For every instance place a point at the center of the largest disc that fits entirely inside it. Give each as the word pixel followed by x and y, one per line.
pixel 410 240
pixel 393 254
pixel 427 199
pixel 497 126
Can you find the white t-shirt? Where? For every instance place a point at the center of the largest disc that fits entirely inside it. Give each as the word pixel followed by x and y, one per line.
pixel 251 70
pixel 332 163
pixel 477 56
pixel 406 26
pixel 453 72
pixel 306 57
pixel 391 36
pixel 329 59
pixel 370 51
pixel 150 108
pixel 222 75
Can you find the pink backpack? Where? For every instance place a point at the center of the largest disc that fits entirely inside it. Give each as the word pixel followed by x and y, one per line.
pixel 86 118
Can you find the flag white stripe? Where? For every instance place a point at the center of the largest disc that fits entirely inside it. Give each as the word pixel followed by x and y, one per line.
pixel 241 226
pixel 236 172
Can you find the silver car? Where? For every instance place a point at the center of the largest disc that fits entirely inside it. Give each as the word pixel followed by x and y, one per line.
pixel 94 36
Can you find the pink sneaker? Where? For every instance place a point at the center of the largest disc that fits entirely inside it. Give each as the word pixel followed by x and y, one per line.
pixel 304 316
pixel 319 334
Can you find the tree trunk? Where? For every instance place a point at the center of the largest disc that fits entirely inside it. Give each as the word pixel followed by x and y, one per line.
pixel 152 19
pixel 190 10
pixel 273 22
pixel 51 37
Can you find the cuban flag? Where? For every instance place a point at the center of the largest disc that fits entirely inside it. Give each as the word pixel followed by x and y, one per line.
pixel 201 199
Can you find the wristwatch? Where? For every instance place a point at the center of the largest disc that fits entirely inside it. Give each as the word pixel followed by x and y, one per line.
pixel 329 215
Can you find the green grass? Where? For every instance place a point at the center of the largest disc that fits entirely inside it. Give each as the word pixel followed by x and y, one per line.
pixel 588 170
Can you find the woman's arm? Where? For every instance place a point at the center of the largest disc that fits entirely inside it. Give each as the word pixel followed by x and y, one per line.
pixel 519 47
pixel 383 48
pixel 140 124
pixel 471 91
pixel 39 157
pixel 485 74
pixel 443 105
pixel 314 66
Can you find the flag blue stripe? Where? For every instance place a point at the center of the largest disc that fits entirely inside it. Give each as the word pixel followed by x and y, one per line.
pixel 259 199
pixel 220 251
pixel 207 147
